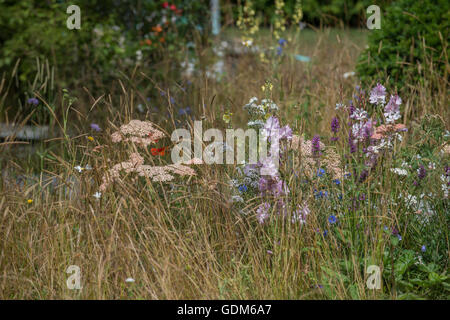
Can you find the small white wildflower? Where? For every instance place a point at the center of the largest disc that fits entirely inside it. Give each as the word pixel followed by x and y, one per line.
pixel 256 123
pixel 445 186
pixel 138 55
pixel 399 171
pixel 419 260
pixel 247 43
pixel 405 165
pixel 234 182
pixel 270 104
pixel 447 134
pixel 359 114
pixel 391 117
pixel 348 74
pixel 97 195
pixel 236 199
pixel 339 106
pixel 253 100
pixel 79 168
pixel 432 166
pixel 129 280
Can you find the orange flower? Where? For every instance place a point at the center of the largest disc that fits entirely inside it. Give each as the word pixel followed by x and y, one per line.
pixel 162 40
pixel 157 29
pixel 158 151
pixel 148 42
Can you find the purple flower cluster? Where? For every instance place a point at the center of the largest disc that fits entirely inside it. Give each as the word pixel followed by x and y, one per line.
pixel 392 109
pixel 263 212
pixel 351 142
pixel 335 125
pixel 315 146
pixel 272 129
pixel 95 127
pixel 272 186
pixel 301 213
pixel 421 172
pixel 378 95
pixel 334 128
pixel 33 101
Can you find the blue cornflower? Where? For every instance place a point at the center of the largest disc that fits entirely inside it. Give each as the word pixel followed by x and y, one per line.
pixel 33 101
pixel 424 248
pixel 282 42
pixel 321 194
pixel 337 181
pixel 332 219
pixel 320 172
pixel 399 237
pixel 243 188
pixel 184 111
pixel 279 50
pixel 325 233
pixel 172 100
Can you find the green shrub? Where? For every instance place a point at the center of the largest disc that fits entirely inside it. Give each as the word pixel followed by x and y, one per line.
pixel 114 37
pixel 411 46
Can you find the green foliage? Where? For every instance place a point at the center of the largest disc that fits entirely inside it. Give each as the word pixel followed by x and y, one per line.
pixel 330 12
pixel 409 45
pixel 114 37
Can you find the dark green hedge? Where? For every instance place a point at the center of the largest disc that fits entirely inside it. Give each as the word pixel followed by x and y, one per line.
pixel 409 45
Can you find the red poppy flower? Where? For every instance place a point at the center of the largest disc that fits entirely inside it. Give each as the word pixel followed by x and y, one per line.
pixel 173 7
pixel 158 151
pixel 165 4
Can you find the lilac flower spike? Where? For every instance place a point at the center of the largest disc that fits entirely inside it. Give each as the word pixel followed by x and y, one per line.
pixel 269 168
pixel 378 94
pixel 272 124
pixel 286 133
pixel 393 104
pixel 263 212
pixel 335 125
pixel 351 142
pixel 392 109
pixel 315 146
pixel 421 172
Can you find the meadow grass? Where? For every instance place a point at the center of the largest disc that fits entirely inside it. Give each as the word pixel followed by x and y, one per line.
pixel 186 239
